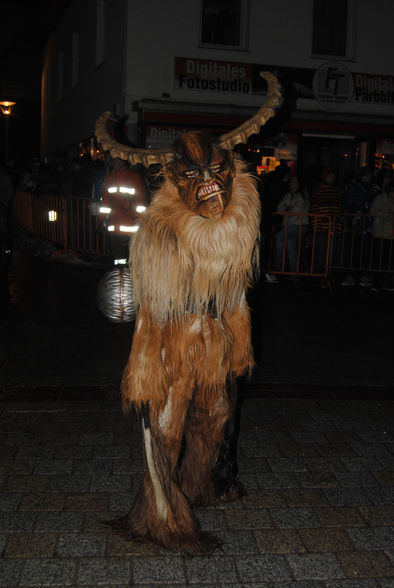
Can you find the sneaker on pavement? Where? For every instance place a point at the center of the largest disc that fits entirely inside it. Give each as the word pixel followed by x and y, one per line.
pixel 365 282
pixel 271 279
pixel 348 281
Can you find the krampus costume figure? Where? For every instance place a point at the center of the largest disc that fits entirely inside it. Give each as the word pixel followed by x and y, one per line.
pixel 191 261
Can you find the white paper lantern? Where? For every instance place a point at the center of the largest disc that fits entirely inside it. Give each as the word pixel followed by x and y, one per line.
pixel 115 296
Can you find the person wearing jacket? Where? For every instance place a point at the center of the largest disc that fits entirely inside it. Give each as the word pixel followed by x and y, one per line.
pixel 124 198
pixel 293 228
pixel 357 202
pixel 382 211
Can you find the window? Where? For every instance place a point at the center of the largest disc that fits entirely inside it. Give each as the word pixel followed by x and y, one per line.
pixel 100 31
pixel 223 23
pixel 74 59
pixel 60 74
pixel 333 28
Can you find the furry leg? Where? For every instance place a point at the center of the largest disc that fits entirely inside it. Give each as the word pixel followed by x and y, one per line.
pixel 205 433
pixel 161 512
pixel 225 472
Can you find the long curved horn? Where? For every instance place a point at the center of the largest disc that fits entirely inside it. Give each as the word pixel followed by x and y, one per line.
pixel 132 154
pixel 239 135
pixel 252 125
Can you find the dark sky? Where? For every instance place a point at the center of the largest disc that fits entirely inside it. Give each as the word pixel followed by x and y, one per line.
pixel 25 26
pixel 33 19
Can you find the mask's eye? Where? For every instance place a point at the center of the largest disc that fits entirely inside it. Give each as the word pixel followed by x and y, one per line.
pixel 216 167
pixel 191 173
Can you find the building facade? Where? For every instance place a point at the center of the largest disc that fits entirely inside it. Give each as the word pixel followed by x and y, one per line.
pixel 171 66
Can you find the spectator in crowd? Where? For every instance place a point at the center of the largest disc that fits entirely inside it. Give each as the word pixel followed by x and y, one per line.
pixel 293 228
pixel 357 201
pixel 78 179
pixel 99 173
pixel 384 177
pixel 29 178
pixel 124 198
pixel 82 176
pixel 275 186
pixel 359 195
pixel 271 188
pixel 326 204
pixel 382 211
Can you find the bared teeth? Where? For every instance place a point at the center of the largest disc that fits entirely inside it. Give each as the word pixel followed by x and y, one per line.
pixel 207 190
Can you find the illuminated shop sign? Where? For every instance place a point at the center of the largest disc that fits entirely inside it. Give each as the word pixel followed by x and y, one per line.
pixel 374 88
pixel 157 136
pixel 162 135
pixel 230 77
pixel 211 75
pixel 332 84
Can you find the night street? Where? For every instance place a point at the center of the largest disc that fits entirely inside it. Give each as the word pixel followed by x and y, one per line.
pixel 56 337
pixel 214 434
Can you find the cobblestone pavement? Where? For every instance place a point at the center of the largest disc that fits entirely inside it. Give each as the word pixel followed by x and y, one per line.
pixel 319 510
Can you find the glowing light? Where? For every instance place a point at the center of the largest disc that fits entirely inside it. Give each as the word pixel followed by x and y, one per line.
pixel 105 209
pixel 125 190
pixel 6 107
pixel 52 216
pixel 112 189
pixel 111 228
pixel 120 261
pixel 140 208
pixel 128 229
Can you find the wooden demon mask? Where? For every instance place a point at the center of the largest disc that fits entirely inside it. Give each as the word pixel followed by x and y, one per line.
pixel 203 173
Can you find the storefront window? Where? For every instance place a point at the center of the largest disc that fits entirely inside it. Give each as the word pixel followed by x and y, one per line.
pixel 276 149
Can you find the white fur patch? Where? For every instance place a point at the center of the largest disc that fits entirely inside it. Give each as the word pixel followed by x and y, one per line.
pixel 139 325
pixel 195 326
pixel 165 415
pixel 160 499
pixel 163 356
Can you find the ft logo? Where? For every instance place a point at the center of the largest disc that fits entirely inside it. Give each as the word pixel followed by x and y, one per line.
pixel 333 85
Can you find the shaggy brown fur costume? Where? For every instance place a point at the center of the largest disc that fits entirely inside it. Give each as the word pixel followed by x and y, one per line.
pixel 191 261
pixel 185 355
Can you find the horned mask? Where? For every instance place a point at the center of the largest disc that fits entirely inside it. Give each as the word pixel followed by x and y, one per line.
pixel 202 173
pixel 201 167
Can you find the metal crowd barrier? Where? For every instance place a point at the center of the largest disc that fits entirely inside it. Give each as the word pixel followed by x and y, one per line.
pixel 313 245
pixel 300 249
pixel 66 221
pixel 347 244
pixel 356 249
